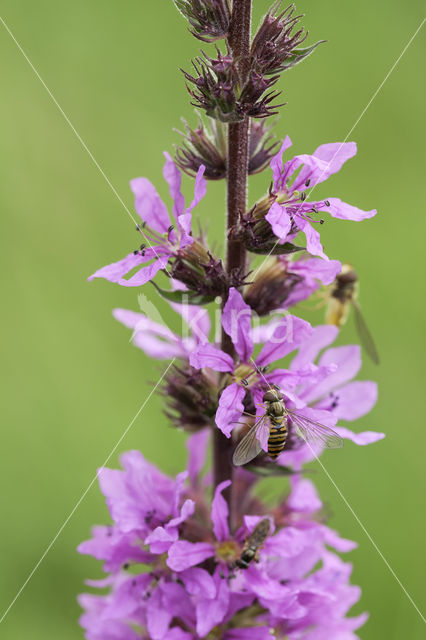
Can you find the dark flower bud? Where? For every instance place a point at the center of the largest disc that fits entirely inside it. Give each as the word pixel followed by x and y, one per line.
pixel 203 147
pixel 209 19
pixel 274 284
pixel 276 46
pixel 191 397
pixel 207 146
pixel 215 81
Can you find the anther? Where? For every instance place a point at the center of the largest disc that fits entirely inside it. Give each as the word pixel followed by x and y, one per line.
pixel 327 203
pixel 321 221
pixel 303 196
pixel 170 229
pixel 244 381
pixel 314 209
pixel 308 182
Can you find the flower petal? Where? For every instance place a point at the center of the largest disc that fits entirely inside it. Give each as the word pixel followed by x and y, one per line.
pixel 206 355
pixel 276 163
pixel 197 446
pixel 184 554
pixel 288 335
pixel 220 512
pixel 173 177
pixel 185 220
pixel 321 337
pixel 280 221
pixel 304 496
pixel 116 270
pixel 344 211
pixel 236 321
pixel 149 205
pixel 212 611
pixel 363 438
pixel 348 361
pixel 146 273
pixel 352 401
pixel 198 582
pixel 313 243
pixel 230 408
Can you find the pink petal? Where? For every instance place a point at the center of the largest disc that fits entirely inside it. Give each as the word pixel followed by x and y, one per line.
pixel 320 337
pixel 276 163
pixel 289 334
pixel 344 211
pixel 313 168
pixel 304 496
pixel 313 243
pixel 197 446
pixel 205 355
pixel 333 539
pixel 149 205
pixel 230 408
pixel 355 399
pixel 314 268
pixel 363 438
pixel 280 221
pixel 236 321
pixel 335 154
pixel 248 633
pixel 183 554
pixel 220 513
pixel 173 178
pixel 211 612
pixel 198 582
pixel 116 270
pixel 158 618
pixel 348 361
pixel 146 273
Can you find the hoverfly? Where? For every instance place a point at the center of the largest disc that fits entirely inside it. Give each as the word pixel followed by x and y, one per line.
pixel 253 543
pixel 344 293
pixel 276 416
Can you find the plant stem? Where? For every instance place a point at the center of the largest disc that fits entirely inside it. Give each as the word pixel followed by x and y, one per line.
pixel 237 171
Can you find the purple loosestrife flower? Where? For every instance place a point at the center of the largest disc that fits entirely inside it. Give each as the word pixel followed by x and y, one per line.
pixel 165 239
pixel 291 212
pixel 183 584
pixel 281 282
pixel 157 340
pixel 321 392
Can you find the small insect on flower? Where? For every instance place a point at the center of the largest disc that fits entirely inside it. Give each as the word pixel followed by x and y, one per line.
pixel 276 418
pixel 253 543
pixel 344 293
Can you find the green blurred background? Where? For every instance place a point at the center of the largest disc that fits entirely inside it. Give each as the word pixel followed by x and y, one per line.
pixel 71 380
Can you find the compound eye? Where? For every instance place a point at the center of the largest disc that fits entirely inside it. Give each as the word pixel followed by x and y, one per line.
pixel 269 396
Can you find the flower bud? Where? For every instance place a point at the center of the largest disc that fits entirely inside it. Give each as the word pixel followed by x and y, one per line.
pixel 209 19
pixel 272 287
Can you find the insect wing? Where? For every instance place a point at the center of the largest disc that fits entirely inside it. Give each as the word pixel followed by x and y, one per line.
pixel 249 447
pixel 259 533
pixel 364 334
pixel 315 433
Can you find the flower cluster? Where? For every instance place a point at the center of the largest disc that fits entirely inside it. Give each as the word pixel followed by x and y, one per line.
pixel 170 560
pixel 201 555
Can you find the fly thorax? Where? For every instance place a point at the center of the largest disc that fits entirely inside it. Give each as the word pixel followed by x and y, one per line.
pixel 276 409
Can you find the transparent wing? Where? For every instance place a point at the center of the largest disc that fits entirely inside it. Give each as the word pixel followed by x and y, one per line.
pixel 364 334
pixel 249 447
pixel 315 433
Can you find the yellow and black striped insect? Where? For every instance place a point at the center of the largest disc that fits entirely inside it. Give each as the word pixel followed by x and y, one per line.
pixel 253 543
pixel 343 294
pixel 276 418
